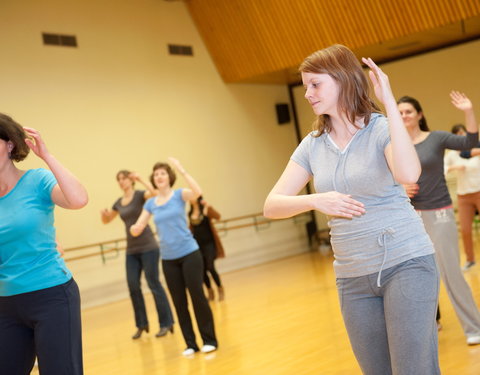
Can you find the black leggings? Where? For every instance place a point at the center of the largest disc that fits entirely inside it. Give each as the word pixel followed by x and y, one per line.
pixel 184 274
pixel 209 253
pixel 45 323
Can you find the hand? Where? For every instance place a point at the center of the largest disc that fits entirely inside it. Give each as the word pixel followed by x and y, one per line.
pixel 411 189
pixel 60 249
pixel 134 176
pixel 36 144
pixel 176 164
pixel 337 204
pixel 136 230
pixel 381 84
pixel 460 101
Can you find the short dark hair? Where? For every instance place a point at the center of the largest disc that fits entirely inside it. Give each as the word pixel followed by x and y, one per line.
pixel 171 173
pixel 11 131
pixel 457 127
pixel 416 104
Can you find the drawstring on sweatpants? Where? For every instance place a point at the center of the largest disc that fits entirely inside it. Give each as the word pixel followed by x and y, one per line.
pixel 382 241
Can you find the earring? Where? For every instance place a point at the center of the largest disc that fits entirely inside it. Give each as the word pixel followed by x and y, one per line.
pixel 10 148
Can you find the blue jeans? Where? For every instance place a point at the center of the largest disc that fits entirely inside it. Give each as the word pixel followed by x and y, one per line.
pixel 148 262
pixel 45 323
pixel 392 329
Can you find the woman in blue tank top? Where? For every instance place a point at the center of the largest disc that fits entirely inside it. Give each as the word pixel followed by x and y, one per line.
pixel 39 300
pixel 181 258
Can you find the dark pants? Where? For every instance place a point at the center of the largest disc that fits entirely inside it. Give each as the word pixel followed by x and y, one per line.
pixel 148 262
pixel 184 274
pixel 209 253
pixel 45 323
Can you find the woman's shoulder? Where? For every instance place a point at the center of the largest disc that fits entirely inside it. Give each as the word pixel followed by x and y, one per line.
pixel 313 137
pixel 377 120
pixel 438 136
pixel 140 194
pixel 39 176
pixel 38 172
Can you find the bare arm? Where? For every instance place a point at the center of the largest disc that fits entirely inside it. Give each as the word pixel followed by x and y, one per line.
pixel 400 153
pixel 194 190
pixel 475 152
pixel 150 192
pixel 283 201
pixel 142 221
pixel 108 215
pixel 68 192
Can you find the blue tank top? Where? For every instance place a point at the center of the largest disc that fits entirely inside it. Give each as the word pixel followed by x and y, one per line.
pixel 170 218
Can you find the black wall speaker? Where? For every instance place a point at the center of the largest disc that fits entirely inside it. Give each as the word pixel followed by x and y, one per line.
pixel 283 113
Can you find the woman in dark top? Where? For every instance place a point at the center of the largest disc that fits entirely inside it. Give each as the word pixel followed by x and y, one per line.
pixel 142 254
pixel 431 199
pixel 201 215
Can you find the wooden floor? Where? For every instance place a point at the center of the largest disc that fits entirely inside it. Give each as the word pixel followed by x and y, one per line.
pixel 281 318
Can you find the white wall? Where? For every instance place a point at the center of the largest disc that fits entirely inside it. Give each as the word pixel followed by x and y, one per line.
pixel 120 101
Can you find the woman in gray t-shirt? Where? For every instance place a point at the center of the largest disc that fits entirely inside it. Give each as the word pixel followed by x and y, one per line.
pixel 142 254
pixel 387 279
pixel 431 199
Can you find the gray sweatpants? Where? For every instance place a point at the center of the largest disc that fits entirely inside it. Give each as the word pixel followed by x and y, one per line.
pixel 442 229
pixel 392 328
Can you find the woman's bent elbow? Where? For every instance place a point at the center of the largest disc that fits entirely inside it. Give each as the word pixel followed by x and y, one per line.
pixel 408 179
pixel 268 211
pixel 79 202
pixel 267 214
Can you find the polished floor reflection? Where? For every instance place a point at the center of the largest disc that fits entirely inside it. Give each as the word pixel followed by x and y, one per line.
pixel 281 318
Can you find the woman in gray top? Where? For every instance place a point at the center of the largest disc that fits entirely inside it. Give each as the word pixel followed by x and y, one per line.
pixel 143 254
pixel 431 199
pixel 387 279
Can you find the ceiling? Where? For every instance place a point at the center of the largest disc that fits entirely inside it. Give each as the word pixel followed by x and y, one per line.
pixel 264 41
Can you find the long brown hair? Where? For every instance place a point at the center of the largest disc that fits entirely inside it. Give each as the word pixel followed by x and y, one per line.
pixel 416 104
pixel 342 65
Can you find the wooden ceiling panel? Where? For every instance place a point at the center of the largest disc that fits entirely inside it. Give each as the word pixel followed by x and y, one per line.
pixel 265 40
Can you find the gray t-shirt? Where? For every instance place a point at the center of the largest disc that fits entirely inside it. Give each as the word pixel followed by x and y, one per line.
pixel 129 214
pixel 433 192
pixel 390 232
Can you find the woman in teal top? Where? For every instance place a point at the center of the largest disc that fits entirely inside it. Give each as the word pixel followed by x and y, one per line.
pixel 181 258
pixel 39 300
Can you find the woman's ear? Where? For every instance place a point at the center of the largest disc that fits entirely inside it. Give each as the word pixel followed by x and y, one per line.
pixel 10 146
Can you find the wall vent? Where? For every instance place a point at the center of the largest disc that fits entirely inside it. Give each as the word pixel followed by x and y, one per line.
pixel 175 49
pixel 59 40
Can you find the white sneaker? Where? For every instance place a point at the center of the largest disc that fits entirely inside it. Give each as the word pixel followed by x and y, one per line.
pixel 208 348
pixel 188 352
pixel 467 266
pixel 473 340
